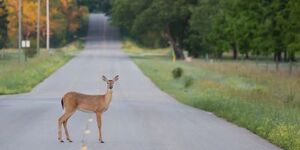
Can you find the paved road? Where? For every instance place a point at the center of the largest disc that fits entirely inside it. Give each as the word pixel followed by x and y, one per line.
pixel 141 117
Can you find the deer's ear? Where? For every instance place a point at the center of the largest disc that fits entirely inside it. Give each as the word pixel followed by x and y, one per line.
pixel 116 78
pixel 104 78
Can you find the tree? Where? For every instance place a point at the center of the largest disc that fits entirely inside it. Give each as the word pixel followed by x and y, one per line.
pixel 221 25
pixel 168 17
pixel 165 18
pixel 237 22
pixel 3 24
pixel 199 40
pixel 124 14
pixel 12 6
pixel 97 5
pixel 257 27
pixel 292 31
pixel 29 19
pixel 67 21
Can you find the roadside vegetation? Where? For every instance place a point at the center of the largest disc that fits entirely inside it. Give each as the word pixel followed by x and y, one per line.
pixel 69 21
pixel 212 28
pixel 245 58
pixel 16 77
pixel 265 102
pixel 21 70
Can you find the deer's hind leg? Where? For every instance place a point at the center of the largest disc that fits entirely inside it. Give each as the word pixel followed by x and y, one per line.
pixel 66 129
pixel 63 121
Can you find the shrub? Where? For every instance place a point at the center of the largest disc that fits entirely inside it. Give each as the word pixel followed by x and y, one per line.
pixel 177 72
pixel 188 81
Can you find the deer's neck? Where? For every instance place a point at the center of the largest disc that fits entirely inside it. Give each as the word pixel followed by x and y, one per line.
pixel 108 96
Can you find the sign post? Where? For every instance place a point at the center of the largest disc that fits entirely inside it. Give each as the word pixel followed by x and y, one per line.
pixel 26 45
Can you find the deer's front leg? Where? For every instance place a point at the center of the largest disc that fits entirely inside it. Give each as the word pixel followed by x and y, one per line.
pixel 99 122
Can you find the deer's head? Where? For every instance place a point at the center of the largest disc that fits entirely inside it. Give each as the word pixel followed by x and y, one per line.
pixel 110 83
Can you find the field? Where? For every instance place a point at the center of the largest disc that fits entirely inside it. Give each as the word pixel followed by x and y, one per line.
pixel 19 76
pixel 243 92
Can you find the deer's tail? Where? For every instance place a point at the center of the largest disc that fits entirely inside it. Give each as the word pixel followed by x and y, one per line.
pixel 62 103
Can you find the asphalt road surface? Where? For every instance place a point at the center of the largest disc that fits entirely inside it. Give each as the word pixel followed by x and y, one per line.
pixel 140 117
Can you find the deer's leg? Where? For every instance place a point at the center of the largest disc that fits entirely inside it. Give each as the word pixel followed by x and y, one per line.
pixel 66 130
pixel 99 122
pixel 61 121
pixel 59 127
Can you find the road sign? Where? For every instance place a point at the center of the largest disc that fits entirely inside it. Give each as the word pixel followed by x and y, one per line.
pixel 25 44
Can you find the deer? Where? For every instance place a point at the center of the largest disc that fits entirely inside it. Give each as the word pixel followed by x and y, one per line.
pixel 97 104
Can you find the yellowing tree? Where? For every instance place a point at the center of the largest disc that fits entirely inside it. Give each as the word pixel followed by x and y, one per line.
pixel 12 7
pixel 65 20
pixel 29 18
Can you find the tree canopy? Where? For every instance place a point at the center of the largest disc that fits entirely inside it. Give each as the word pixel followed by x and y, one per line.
pixel 248 28
pixel 68 20
pixel 3 24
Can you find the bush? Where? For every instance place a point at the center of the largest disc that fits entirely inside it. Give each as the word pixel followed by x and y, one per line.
pixel 31 51
pixel 188 81
pixel 177 72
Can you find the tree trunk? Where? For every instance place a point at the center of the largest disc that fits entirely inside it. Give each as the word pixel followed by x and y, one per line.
pixel 275 56
pixel 279 57
pixel 247 55
pixel 175 45
pixel 290 66
pixel 293 57
pixel 235 45
pixel 2 53
pixel 234 53
pixel 285 56
pixel 277 64
pixel 267 65
pixel 220 55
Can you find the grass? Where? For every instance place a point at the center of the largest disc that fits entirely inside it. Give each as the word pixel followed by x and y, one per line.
pixel 19 77
pixel 266 103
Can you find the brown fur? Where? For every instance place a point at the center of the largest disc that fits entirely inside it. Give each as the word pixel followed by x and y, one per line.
pixel 98 104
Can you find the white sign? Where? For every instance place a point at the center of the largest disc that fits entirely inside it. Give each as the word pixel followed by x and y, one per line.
pixel 25 43
pixel 28 43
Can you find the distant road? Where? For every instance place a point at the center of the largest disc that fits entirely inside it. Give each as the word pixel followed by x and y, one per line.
pixel 140 117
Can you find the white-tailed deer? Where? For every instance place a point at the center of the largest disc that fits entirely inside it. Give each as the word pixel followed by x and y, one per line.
pixel 98 104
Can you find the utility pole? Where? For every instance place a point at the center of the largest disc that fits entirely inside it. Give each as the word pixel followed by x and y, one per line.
pixel 38 27
pixel 48 26
pixel 20 28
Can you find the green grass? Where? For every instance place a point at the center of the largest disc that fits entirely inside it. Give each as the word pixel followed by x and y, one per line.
pixel 19 77
pixel 266 103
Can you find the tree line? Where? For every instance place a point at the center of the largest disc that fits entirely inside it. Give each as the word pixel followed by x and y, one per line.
pixel 213 27
pixel 97 5
pixel 3 24
pixel 68 21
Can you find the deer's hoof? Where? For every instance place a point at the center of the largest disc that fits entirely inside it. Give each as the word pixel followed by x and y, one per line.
pixel 61 141
pixel 70 140
pixel 102 141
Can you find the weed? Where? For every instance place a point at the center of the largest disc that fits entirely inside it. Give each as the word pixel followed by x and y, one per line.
pixel 188 81
pixel 177 72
